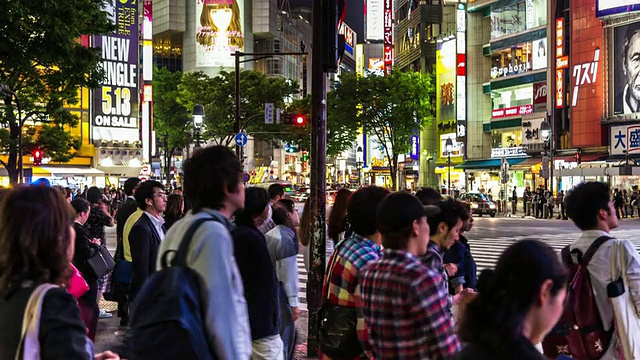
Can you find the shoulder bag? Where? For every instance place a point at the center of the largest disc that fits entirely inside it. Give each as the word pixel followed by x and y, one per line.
pixel 626 319
pixel 29 346
pixel 101 262
pixel 337 334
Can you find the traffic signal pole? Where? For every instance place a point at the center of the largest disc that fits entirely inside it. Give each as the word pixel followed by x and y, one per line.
pixel 318 162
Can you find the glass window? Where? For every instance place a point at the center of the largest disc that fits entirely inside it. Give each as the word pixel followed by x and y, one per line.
pixel 513 61
pixel 506 138
pixel 536 13
pixel 512 96
pixel 508 20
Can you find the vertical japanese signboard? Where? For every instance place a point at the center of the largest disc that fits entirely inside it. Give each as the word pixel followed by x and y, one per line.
pixel 388 36
pixel 115 101
pixel 559 54
pixel 461 73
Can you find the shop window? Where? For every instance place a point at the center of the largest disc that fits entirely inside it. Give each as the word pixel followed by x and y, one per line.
pixel 508 20
pixel 512 96
pixel 507 138
pixel 536 13
pixel 513 61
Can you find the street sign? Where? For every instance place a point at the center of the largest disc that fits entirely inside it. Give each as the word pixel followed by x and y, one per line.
pixel 268 113
pixel 245 177
pixel 544 168
pixel 278 116
pixel 146 170
pixel 241 139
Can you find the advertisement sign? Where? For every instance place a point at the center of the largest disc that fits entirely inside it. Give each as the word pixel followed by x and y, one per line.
pixel 509 152
pixel 512 111
pixel 510 69
pixel 540 96
pixel 373 11
pixel 376 66
pixel 115 101
pixel 446 78
pixel 539 58
pixel 349 39
pixel 586 76
pixel 415 147
pixel 218 32
pixel 626 69
pixel 605 8
pixel 559 54
pixel 624 138
pixel 531 131
pixel 456 149
pixel 461 72
pixel 388 36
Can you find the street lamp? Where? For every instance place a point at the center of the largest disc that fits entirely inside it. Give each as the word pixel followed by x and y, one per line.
pixel 449 146
pixel 359 161
pixel 198 115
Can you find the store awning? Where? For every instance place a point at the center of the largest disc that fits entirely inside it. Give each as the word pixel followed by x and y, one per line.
pixel 70 171
pixel 37 171
pixel 488 163
pixel 527 164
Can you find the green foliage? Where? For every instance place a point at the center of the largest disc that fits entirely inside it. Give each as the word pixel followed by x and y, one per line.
pixel 43 62
pixel 392 108
pixel 217 96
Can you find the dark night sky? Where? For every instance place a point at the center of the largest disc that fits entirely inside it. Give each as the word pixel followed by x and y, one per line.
pixel 354 17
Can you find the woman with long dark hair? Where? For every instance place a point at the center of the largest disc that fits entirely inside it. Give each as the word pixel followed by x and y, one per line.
pixel 36 248
pixel 338 225
pixel 517 304
pixel 174 210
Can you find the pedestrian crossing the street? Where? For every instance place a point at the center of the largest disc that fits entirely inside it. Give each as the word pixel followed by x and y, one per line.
pixel 486 251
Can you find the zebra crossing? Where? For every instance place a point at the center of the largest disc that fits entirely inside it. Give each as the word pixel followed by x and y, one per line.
pixel 486 251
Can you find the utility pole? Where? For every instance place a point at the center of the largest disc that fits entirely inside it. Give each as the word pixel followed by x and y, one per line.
pixel 318 161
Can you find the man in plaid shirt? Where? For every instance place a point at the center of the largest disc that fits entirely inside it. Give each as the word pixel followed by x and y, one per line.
pixel 405 310
pixel 354 253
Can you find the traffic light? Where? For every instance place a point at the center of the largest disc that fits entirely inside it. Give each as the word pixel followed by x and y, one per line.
pixel 295 119
pixel 291 148
pixel 333 13
pixel 305 156
pixel 37 157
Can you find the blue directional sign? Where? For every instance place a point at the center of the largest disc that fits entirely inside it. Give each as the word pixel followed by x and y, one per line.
pixel 241 139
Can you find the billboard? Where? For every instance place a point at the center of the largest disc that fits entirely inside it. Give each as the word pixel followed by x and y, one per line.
pixel 624 138
pixel 626 74
pixel 388 36
pixel 376 66
pixel 606 8
pixel 374 13
pixel 539 54
pixel 446 76
pixel 115 101
pixel 218 32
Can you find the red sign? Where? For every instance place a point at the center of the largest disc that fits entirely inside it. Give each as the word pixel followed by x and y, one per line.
pixel 559 89
pixel 462 64
pixel 562 62
pixel 512 111
pixel 559 37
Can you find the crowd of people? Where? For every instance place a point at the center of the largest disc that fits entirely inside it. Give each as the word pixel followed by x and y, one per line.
pixel 400 277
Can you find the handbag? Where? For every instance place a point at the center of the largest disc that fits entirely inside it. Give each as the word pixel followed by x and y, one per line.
pixel 77 284
pixel 337 334
pixel 101 262
pixel 29 346
pixel 626 319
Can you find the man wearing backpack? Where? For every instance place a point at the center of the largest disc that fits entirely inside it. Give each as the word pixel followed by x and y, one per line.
pixel 213 183
pixel 591 208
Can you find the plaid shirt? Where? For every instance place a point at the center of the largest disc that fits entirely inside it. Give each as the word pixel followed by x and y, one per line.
pixel 405 309
pixel 433 259
pixel 352 256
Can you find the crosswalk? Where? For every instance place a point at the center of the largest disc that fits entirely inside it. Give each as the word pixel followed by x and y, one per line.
pixel 486 251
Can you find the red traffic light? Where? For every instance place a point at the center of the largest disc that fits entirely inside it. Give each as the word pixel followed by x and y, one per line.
pixel 37 157
pixel 297 120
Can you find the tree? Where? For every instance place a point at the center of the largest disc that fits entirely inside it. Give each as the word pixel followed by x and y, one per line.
pixel 392 108
pixel 171 120
pixel 45 65
pixel 217 96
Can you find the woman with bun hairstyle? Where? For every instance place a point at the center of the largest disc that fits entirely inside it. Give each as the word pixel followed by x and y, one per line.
pixel 517 304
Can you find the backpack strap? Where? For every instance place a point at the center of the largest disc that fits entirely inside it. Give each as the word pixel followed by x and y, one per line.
pixel 180 258
pixel 593 248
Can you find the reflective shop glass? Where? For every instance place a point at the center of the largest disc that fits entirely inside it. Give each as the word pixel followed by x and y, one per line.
pixel 518 17
pixel 512 96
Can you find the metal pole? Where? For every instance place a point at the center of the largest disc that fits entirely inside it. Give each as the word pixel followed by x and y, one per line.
pixel 236 125
pixel 551 151
pixel 449 173
pixel 20 123
pixel 318 180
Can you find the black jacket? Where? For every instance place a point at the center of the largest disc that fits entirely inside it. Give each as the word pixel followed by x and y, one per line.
pixel 520 349
pixel 83 251
pixel 62 333
pixel 259 280
pixel 145 242
pixel 124 211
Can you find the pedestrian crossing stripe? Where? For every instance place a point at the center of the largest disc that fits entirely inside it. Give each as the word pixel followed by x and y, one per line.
pixel 487 251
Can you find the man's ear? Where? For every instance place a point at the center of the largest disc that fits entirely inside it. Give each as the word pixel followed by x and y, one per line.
pixel 442 228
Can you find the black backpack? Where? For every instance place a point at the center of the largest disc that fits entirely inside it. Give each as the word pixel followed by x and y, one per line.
pixel 167 317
